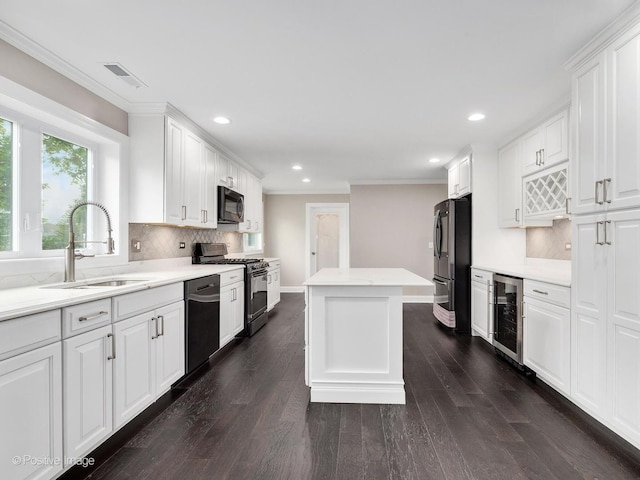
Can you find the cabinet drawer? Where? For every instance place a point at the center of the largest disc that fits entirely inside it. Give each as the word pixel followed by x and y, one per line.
pixel 233 276
pixel 548 292
pixel 125 306
pixel 483 276
pixel 27 333
pixel 86 316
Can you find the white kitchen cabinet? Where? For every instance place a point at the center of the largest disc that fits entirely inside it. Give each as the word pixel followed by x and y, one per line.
pixel 146 364
pixel 547 336
pixel 510 186
pixel 31 414
pixel 171 173
pixel 273 285
pixel 87 390
pixel 607 126
pixel 545 193
pixel 547 144
pixel 481 304
pixel 606 319
pixel 252 205
pixel 459 177
pixel 231 305
pixel 227 172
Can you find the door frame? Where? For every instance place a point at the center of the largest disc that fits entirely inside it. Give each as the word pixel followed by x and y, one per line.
pixel 343 241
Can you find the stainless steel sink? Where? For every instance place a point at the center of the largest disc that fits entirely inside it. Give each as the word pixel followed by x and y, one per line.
pixel 116 282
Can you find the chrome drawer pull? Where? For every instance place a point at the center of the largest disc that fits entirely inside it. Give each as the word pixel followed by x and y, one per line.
pixel 92 317
pixel 541 292
pixel 113 346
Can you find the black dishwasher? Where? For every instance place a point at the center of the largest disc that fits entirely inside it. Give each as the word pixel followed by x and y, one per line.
pixel 202 339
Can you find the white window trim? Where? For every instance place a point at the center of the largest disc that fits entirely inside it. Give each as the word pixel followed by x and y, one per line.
pixel 113 148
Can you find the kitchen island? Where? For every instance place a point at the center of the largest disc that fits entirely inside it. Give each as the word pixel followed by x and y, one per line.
pixel 353 334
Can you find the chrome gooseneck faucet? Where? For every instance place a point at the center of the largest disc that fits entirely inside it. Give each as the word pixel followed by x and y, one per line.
pixel 70 254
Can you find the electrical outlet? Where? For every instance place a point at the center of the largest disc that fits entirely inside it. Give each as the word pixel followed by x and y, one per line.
pixel 567 246
pixel 136 246
pixel 182 245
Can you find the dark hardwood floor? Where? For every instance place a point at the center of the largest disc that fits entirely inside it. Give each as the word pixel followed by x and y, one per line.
pixel 469 415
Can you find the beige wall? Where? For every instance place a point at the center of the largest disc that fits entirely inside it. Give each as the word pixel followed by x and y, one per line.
pixel 392 225
pixel 20 68
pixel 284 235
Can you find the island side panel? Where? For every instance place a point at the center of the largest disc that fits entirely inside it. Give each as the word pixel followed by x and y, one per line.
pixel 353 341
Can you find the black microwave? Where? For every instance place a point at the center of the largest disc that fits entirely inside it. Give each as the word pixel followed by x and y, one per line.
pixel 230 206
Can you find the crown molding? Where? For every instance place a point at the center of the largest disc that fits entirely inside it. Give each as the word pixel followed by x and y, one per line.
pixel 407 181
pixel 53 61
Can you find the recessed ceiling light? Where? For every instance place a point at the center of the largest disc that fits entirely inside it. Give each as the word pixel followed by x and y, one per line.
pixel 222 120
pixel 434 160
pixel 297 167
pixel 475 117
pixel 306 180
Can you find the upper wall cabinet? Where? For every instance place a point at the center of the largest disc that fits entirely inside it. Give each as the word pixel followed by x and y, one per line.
pixel 228 173
pixel 510 186
pixel 459 177
pixel 546 145
pixel 606 103
pixel 173 176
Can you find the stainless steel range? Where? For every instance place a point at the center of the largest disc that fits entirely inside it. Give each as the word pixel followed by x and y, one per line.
pixel 255 282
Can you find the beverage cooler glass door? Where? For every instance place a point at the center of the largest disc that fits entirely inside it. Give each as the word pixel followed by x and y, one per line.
pixel 507 336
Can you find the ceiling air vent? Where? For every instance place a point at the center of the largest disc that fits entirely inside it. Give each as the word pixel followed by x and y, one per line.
pixel 124 75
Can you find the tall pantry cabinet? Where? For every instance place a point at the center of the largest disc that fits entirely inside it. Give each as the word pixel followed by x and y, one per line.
pixel 605 323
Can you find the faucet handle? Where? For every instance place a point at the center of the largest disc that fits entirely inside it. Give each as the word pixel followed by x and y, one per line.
pixel 79 255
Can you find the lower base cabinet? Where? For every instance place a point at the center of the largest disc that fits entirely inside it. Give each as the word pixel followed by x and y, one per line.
pixel 481 304
pixel 231 311
pixel 547 343
pixel 149 357
pixel 31 417
pixel 273 286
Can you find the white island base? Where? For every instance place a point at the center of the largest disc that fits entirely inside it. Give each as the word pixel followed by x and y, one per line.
pixel 353 335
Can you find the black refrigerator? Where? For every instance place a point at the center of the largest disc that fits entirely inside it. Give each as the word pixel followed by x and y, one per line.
pixel 452 264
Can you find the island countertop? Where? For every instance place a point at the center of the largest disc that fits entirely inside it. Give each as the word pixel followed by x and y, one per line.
pixel 384 277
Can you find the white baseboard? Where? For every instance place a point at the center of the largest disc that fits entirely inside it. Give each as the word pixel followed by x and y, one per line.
pixel 299 289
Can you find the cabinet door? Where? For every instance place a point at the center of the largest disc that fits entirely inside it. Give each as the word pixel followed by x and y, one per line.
pixel 173 182
pixel 623 320
pixel 192 178
pixel 276 286
pixel 453 181
pixel 588 111
pixel 464 176
pixel 238 308
pixel 88 390
pixel 547 343
pixel 210 189
pixel 134 372
pixel 556 140
pixel 480 311
pixel 532 145
pixel 227 313
pixel 31 412
pixel 623 167
pixel 169 346
pixel 509 186
pixel 588 315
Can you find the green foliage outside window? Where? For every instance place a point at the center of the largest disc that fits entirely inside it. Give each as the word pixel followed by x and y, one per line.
pixel 6 185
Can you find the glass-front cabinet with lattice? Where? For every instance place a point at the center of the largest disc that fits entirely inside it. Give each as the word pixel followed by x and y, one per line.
pixel 545 193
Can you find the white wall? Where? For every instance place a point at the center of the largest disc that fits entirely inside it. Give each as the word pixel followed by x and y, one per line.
pixel 491 245
pixel 392 225
pixel 284 234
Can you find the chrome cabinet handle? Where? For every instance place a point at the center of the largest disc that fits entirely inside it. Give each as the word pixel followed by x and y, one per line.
pixel 161 319
pixel 598 242
pixel 517 214
pixel 606 242
pixel 269 279
pixel 538 157
pixel 92 317
pixel 541 292
pixel 566 205
pixel 605 190
pixel 542 157
pixel 477 276
pixel 184 212
pixel 155 320
pixel 599 182
pixel 113 346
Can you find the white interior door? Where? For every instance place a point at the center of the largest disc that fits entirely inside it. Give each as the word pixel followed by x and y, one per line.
pixel 327 238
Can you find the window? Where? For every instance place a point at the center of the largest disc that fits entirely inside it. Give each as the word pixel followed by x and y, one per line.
pixel 252 242
pixel 6 185
pixel 65 167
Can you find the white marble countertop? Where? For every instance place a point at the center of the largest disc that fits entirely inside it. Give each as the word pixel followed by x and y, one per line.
pixel 558 274
pixel 388 277
pixel 17 302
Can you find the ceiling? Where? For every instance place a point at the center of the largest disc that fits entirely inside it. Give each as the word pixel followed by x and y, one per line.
pixel 356 91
